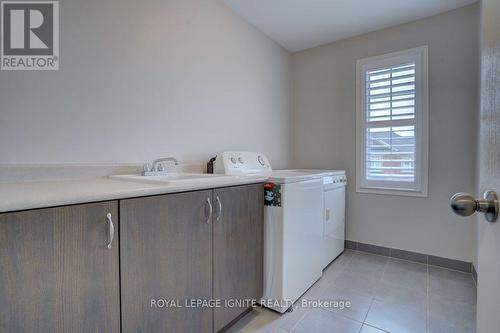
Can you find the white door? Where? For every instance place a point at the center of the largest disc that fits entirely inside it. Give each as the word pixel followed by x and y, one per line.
pixel 488 291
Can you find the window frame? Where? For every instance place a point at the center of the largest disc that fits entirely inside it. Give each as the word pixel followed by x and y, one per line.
pixel 419 188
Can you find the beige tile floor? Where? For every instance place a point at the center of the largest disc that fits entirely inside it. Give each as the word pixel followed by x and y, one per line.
pixel 386 295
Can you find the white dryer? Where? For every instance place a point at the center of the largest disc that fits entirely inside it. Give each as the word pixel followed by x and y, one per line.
pixel 334 227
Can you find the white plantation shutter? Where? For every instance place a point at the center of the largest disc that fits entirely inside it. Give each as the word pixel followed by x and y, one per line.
pixel 390 93
pixel 392 123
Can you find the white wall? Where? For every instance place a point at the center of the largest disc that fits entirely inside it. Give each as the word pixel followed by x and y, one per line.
pixel 324 130
pixel 143 79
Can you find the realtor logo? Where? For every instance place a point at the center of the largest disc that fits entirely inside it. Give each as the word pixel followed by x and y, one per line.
pixel 29 35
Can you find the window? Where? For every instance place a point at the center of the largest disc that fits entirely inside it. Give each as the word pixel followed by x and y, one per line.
pixel 392 123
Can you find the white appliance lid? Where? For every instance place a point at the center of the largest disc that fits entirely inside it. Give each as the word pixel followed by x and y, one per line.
pixel 290 176
pixel 299 175
pixel 322 172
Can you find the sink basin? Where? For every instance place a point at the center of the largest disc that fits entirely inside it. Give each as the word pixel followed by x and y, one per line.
pixel 171 177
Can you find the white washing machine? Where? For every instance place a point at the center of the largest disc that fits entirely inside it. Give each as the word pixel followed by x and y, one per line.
pixel 303 224
pixel 293 230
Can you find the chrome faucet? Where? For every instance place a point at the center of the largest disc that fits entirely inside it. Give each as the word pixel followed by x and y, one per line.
pixel 156 168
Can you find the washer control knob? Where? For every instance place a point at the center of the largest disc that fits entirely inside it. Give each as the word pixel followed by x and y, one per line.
pixel 261 160
pixel 233 160
pixel 240 159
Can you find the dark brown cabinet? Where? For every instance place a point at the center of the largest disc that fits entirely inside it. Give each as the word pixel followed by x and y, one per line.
pixel 57 273
pixel 238 230
pixel 166 255
pixel 201 245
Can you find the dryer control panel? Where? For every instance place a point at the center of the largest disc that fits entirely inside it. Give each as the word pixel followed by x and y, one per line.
pixel 335 180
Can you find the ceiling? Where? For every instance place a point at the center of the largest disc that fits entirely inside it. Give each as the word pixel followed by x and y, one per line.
pixel 302 24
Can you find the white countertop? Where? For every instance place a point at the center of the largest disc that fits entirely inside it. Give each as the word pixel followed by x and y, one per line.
pixel 21 195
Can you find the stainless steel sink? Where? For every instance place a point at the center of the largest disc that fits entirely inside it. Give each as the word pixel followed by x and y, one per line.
pixel 172 177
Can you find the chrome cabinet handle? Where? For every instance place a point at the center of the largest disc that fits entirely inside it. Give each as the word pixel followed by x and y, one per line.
pixel 465 204
pixel 111 230
pixel 210 210
pixel 220 209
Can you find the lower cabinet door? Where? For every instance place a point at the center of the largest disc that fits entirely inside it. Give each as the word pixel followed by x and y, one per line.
pixel 238 249
pixel 57 273
pixel 166 260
